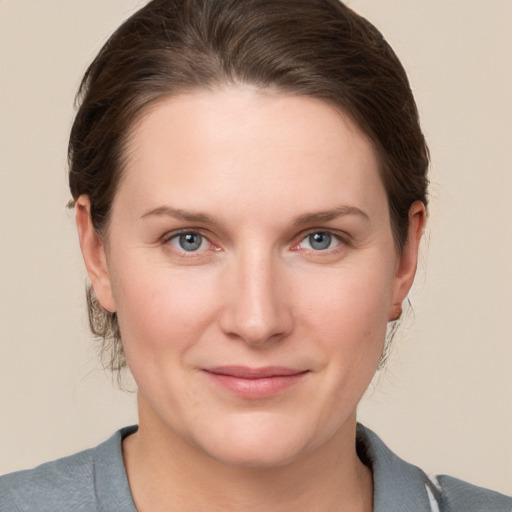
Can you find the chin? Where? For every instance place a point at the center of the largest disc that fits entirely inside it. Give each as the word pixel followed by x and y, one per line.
pixel 255 455
pixel 257 441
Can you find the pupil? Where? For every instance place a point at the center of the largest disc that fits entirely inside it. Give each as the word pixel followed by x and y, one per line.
pixel 190 241
pixel 320 241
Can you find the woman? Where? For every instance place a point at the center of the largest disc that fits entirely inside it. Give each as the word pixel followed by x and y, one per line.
pixel 250 182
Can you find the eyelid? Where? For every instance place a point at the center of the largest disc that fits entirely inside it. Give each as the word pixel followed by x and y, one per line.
pixel 342 235
pixel 170 235
pixel 343 238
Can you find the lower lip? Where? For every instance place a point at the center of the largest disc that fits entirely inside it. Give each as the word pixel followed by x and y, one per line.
pixel 256 387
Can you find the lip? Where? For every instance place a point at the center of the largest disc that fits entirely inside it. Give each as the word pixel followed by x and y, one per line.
pixel 253 383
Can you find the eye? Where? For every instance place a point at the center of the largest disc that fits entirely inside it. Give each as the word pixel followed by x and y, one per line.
pixel 189 241
pixel 320 241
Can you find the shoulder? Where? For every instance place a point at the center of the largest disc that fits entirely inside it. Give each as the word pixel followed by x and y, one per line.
pixel 462 496
pixel 76 483
pixel 400 486
pixel 64 484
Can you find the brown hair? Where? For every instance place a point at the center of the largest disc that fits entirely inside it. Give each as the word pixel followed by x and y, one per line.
pixel 317 48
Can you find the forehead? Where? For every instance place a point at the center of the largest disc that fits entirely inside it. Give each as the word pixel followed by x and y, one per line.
pixel 256 144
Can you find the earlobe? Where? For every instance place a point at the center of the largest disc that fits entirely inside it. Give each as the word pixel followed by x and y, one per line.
pixel 395 312
pixel 93 252
pixel 406 267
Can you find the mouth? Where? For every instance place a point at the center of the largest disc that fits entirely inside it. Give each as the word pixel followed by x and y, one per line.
pixel 253 383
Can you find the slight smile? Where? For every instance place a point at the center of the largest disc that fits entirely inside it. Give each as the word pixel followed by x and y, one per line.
pixel 247 382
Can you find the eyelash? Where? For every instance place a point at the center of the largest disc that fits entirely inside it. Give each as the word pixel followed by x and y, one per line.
pixel 175 235
pixel 342 239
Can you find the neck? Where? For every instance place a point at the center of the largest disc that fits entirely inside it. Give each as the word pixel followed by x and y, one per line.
pixel 163 470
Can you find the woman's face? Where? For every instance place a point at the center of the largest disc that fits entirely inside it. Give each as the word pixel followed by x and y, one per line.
pixel 252 266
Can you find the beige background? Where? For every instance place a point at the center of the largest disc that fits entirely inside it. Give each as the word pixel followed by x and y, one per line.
pixel 444 401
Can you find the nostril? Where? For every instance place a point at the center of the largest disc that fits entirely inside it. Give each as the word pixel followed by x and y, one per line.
pixel 256 323
pixel 256 333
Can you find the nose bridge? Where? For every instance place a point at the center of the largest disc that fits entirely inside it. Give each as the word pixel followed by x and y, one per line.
pixel 256 308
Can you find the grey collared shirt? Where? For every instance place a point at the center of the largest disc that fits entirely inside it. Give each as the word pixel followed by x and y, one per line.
pixel 95 481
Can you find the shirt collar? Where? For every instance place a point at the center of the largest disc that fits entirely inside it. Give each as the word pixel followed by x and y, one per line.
pixel 398 485
pixel 110 480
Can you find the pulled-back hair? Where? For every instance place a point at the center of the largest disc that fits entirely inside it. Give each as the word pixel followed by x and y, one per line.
pixel 316 48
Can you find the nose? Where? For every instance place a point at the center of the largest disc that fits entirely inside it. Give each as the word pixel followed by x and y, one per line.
pixel 257 305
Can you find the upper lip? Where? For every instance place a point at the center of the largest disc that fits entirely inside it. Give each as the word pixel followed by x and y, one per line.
pixel 247 372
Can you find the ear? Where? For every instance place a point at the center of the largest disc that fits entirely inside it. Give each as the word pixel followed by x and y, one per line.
pixel 93 252
pixel 407 263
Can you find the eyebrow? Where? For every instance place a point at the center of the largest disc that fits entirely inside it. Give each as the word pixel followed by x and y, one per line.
pixel 325 216
pixel 179 214
pixel 308 218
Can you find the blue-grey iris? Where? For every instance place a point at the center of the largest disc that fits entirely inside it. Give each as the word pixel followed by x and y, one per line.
pixel 320 241
pixel 190 241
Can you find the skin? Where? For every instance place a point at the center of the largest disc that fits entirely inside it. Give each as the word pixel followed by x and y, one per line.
pixel 254 173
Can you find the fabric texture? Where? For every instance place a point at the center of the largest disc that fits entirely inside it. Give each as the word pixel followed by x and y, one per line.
pixel 95 481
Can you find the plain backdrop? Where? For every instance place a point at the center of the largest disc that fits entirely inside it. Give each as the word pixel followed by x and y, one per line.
pixel 445 400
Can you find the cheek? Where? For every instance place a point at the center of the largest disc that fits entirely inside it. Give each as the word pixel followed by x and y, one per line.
pixel 355 299
pixel 348 316
pixel 159 308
